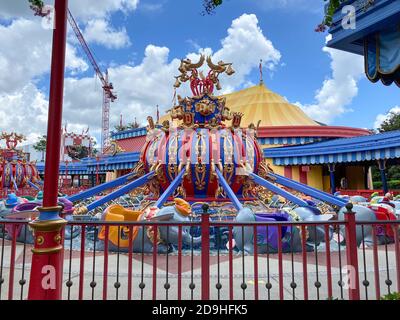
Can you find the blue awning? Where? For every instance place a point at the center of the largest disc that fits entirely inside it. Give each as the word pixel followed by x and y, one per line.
pixel 288 140
pixel 363 148
pixel 382 56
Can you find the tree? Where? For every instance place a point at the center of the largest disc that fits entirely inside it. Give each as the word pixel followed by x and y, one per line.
pixel 133 125
pixel 211 5
pixel 41 145
pixel 331 8
pixel 120 128
pixel 391 123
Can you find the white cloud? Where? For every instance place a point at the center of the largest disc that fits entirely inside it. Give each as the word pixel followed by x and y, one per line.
pixel 24 111
pixel 101 32
pixel 25 54
pixel 380 118
pixel 139 87
pixel 80 8
pixel 86 9
pixel 337 92
pixel 243 34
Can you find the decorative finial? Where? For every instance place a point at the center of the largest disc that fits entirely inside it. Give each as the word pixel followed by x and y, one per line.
pixel 261 72
pixel 158 115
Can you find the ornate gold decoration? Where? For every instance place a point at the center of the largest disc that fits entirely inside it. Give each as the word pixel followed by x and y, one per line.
pixel 57 238
pixel 180 191
pixel 237 119
pixel 228 172
pixel 154 187
pixel 200 174
pixel 188 118
pixel 265 169
pixel 172 171
pixel 138 170
pixel 226 114
pixel 39 240
pixel 176 112
pixel 165 126
pixel 248 188
pixel 160 174
pixel 220 192
pixel 205 107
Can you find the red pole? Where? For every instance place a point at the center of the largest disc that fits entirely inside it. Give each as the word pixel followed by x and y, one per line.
pixel 47 260
pixel 351 253
pixel 205 254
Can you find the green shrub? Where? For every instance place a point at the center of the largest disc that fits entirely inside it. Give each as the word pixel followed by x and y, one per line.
pixel 391 296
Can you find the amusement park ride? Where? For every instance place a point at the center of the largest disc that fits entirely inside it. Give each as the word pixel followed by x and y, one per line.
pixel 15 171
pixel 208 158
pixel 206 166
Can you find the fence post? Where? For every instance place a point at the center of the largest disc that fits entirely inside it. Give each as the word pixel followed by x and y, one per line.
pixel 205 253
pixel 351 253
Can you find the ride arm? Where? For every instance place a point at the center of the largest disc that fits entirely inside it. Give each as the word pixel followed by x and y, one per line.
pixel 228 190
pixel 171 188
pixel 317 194
pixel 270 186
pixel 97 189
pixel 120 192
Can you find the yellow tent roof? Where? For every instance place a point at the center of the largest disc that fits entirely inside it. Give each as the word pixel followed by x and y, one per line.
pixel 259 103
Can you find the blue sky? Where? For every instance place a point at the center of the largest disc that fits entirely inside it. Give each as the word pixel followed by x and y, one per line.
pixel 329 86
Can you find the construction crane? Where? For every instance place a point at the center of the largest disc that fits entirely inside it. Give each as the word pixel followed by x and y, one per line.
pixel 108 94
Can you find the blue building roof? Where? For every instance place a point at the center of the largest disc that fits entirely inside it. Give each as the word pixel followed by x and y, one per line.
pixel 370 18
pixel 126 160
pixel 363 148
pixel 137 132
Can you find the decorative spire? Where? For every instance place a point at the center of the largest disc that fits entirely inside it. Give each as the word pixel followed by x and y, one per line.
pixel 158 115
pixel 261 72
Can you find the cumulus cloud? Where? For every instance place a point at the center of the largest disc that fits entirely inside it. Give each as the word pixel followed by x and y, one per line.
pixel 338 91
pixel 243 34
pixel 81 8
pixel 25 54
pixel 101 32
pixel 24 111
pixel 142 86
pixel 380 118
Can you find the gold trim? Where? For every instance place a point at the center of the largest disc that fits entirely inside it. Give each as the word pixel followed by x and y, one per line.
pixel 40 240
pixel 50 209
pixel 48 225
pixel 57 238
pixel 47 250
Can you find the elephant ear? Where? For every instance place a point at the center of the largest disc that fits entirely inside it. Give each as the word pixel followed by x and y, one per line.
pixel 164 217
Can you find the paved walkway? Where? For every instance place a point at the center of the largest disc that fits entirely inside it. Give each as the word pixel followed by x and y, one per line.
pixel 293 277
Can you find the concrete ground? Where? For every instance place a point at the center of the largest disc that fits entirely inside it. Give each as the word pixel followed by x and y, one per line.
pixel 292 273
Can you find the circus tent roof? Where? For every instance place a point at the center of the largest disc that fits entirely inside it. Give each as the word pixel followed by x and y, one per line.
pixel 259 103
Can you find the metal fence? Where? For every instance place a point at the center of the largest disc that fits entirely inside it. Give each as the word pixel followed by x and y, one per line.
pixel 95 267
